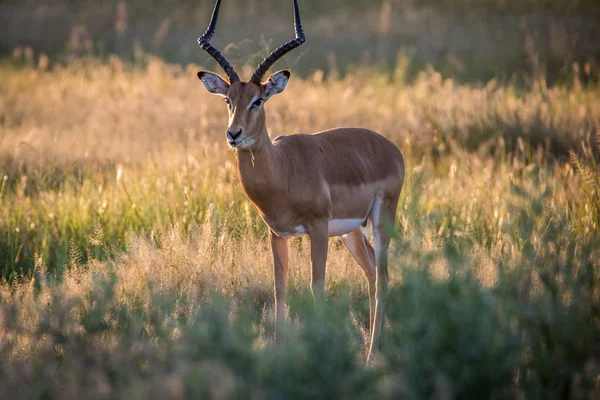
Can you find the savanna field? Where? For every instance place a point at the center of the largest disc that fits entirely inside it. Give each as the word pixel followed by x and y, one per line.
pixel 132 265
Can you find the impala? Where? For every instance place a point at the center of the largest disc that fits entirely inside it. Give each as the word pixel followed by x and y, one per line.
pixel 326 184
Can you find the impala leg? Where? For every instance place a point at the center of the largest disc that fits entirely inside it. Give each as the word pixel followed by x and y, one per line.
pixel 319 242
pixel 382 242
pixel 382 216
pixel 279 247
pixel 362 251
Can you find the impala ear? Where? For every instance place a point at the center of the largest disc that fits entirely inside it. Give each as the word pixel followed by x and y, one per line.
pixel 213 83
pixel 277 82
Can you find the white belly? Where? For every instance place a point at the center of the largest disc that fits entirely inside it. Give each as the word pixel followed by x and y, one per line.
pixel 298 231
pixel 336 227
pixel 339 227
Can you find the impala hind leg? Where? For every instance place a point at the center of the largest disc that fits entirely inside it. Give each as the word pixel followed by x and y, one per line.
pixel 383 216
pixel 279 248
pixel 362 251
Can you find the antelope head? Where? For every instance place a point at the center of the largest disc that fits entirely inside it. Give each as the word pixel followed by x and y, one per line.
pixel 245 100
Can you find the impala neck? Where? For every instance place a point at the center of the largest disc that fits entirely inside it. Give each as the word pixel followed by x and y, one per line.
pixel 258 168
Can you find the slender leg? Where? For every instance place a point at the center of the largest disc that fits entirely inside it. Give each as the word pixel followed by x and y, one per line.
pixel 362 251
pixel 319 242
pixel 279 247
pixel 383 217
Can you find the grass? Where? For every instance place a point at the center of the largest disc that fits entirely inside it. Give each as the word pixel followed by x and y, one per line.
pixel 468 40
pixel 133 266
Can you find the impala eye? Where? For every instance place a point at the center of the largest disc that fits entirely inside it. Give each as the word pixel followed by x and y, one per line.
pixel 257 103
pixel 228 101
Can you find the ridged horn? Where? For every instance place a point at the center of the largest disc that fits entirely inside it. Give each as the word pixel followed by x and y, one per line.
pixel 203 42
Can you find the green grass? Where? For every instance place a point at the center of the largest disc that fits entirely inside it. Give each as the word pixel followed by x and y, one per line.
pixel 133 266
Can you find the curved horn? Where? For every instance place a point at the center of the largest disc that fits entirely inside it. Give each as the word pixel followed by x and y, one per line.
pixel 264 66
pixel 203 42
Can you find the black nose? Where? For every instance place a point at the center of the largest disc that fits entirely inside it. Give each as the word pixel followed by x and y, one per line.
pixel 232 136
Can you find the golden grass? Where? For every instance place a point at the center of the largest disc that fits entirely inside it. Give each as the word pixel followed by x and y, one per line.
pixel 120 174
pixel 96 149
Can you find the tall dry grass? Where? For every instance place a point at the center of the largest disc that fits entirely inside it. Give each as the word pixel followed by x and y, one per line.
pixel 111 148
pixel 134 266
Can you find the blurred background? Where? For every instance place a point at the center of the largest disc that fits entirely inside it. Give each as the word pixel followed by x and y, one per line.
pixel 132 264
pixel 464 39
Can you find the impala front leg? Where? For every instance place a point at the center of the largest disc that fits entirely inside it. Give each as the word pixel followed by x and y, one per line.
pixel 319 241
pixel 280 263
